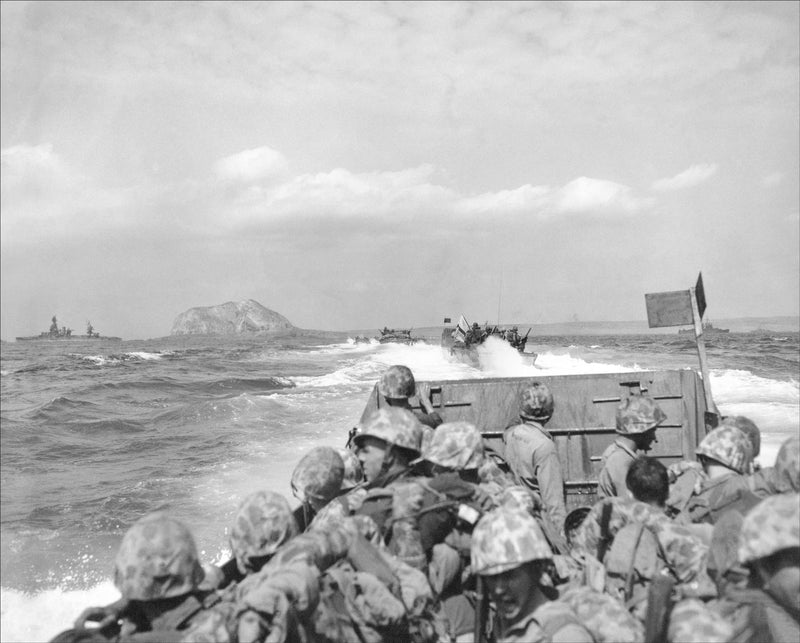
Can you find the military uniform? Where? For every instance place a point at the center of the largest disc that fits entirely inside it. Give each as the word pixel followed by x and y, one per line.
pixel 636 415
pixel 397 385
pixel 553 621
pixel 158 573
pixel 504 540
pixel 762 614
pixel 531 453
pixel 783 476
pixel 617 459
pixel 729 447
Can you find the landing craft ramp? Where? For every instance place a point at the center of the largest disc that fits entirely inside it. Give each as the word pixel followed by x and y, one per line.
pixel 583 421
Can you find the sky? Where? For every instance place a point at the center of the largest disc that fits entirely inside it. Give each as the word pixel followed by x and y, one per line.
pixel 360 164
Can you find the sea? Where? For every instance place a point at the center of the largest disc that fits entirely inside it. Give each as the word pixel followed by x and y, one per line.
pixel 96 434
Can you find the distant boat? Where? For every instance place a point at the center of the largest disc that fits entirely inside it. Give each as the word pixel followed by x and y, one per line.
pixel 395 336
pixel 60 334
pixel 708 328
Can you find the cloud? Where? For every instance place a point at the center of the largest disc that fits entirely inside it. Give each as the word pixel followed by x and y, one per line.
pixel 250 166
pixel 771 180
pixel 42 194
pixel 414 194
pixel 695 175
pixel 28 169
pixel 586 195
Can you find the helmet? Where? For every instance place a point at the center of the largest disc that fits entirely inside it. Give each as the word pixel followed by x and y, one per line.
pixel 787 465
pixel 157 559
pixel 729 446
pixel 263 522
pixel 773 524
pixel 506 538
pixel 455 445
pixel 397 383
pixel 353 473
pixel 520 498
pixel 537 403
pixel 637 414
pixel 395 426
pixel 749 428
pixel 318 475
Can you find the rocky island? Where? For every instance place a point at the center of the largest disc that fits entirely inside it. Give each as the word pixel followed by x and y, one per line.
pixel 231 318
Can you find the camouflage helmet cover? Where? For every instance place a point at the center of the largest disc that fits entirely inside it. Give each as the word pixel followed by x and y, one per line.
pixel 263 522
pixel 536 402
pixel 505 539
pixel 729 446
pixel 772 525
pixel 455 445
pixel 397 383
pixel 157 559
pixel 520 498
pixel 787 465
pixel 318 475
pixel 637 414
pixel 749 428
pixel 353 473
pixel 395 426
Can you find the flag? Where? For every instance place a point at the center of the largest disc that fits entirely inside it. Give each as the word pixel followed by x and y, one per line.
pixel 460 332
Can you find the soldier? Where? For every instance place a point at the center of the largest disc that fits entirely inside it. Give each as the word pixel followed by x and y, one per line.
pixel 158 573
pixel 454 446
pixel 638 417
pixel 648 482
pixel 397 386
pixel 509 553
pixel 531 453
pixel 388 442
pixel 783 476
pixel 751 430
pixel 316 480
pixel 353 473
pixel 263 522
pixel 386 445
pixel 769 546
pixel 726 455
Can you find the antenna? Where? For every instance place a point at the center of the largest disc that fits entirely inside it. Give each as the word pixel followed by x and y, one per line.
pixel 499 295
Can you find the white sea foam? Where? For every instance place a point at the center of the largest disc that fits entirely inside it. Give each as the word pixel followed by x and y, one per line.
pixel 144 355
pixel 51 611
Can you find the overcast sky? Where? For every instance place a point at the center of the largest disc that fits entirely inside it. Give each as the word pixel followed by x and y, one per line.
pixel 361 164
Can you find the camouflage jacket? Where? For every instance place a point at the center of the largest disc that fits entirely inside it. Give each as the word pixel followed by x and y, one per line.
pixel 755 617
pixel 553 621
pixel 718 495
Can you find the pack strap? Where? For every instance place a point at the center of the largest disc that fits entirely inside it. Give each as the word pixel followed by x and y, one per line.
pixel 605 535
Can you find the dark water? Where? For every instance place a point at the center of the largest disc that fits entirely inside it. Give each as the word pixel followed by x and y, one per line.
pixel 94 435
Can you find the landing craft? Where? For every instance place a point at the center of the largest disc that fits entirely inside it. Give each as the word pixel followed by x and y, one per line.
pixel 395 336
pixel 462 341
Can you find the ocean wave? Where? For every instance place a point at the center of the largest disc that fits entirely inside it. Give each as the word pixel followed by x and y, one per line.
pixel 240 384
pixel 57 406
pixel 744 387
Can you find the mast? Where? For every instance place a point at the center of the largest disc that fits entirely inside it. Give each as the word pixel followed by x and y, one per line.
pixel 499 295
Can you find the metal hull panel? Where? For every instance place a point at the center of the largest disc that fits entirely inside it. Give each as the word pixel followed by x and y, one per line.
pixel 583 423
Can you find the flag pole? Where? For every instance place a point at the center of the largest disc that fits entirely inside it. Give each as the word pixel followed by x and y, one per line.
pixel 701 353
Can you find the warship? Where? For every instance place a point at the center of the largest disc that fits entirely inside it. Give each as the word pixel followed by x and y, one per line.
pixel 708 329
pixel 57 334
